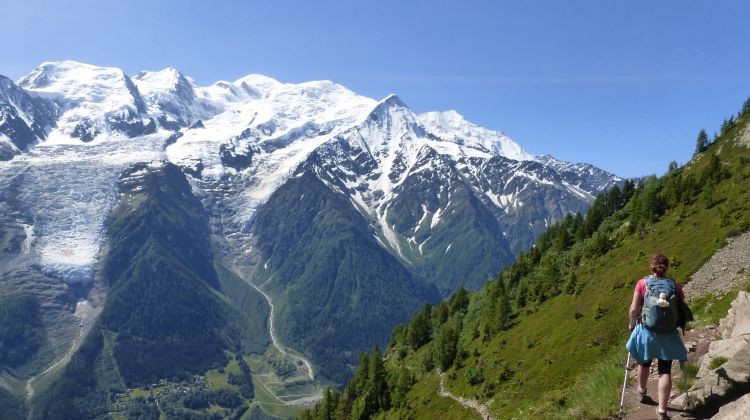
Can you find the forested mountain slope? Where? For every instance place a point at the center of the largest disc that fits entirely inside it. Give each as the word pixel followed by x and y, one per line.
pixel 166 313
pixel 545 338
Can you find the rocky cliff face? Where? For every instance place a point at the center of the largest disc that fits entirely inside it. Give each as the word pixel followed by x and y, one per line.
pixel 725 386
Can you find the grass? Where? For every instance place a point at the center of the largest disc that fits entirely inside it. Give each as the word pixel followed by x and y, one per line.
pixel 715 363
pixel 710 309
pixel 689 372
pixel 217 380
pixel 423 402
pixel 593 398
pixel 270 404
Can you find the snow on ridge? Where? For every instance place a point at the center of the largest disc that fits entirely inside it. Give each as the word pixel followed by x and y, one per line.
pixel 163 84
pixel 453 127
pixel 90 100
pixel 260 82
pixel 79 83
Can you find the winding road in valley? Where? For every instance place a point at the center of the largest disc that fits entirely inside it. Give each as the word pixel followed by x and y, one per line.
pixel 310 374
pixel 275 340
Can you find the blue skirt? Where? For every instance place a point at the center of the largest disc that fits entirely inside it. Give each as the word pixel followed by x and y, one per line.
pixel 645 345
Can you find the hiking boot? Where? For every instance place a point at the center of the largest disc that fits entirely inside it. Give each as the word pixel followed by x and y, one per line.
pixel 661 414
pixel 643 395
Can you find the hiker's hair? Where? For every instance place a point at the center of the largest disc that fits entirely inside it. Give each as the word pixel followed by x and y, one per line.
pixel 659 264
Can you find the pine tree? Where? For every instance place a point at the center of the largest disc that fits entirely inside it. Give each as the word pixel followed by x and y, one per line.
pixel 745 108
pixel 673 168
pixel 446 343
pixel 712 173
pixel 420 328
pixel 701 143
pixel 504 305
pixel 673 189
pixel 727 124
pixel 459 301
pixel 404 382
pixel 571 284
pixel 325 409
pixel 360 378
pixel 628 189
pixel 377 388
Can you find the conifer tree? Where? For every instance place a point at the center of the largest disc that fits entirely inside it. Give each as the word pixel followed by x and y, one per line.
pixel 420 328
pixel 376 388
pixel 701 143
pixel 628 189
pixel 505 307
pixel 672 169
pixel 459 301
pixel 745 108
pixel 446 342
pixel 403 384
pixel 571 284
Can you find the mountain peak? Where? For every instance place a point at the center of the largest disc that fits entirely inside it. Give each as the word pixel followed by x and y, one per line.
pixel 258 83
pixel 388 104
pixel 452 126
pixel 168 78
pixel 392 100
pixel 51 74
pixel 167 73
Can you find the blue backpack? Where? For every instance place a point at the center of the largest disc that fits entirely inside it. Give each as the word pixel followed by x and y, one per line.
pixel 660 313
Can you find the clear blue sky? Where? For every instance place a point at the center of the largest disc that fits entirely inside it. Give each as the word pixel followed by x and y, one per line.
pixel 625 85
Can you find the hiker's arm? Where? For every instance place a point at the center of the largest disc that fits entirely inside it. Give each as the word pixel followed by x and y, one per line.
pixel 680 292
pixel 635 307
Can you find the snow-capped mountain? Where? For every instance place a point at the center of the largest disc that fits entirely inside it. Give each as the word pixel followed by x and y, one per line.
pixel 89 100
pixel 312 192
pixel 23 119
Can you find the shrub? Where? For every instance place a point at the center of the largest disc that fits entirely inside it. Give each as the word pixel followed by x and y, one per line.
pixel 474 375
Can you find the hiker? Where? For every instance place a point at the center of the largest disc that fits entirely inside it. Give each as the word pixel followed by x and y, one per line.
pixel 653 325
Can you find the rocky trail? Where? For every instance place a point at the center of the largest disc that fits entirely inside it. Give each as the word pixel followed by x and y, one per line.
pixel 471 404
pixel 697 341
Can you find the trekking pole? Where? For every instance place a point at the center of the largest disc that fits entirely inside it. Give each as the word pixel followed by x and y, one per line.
pixel 624 384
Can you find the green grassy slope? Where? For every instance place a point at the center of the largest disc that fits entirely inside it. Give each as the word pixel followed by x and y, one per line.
pixel 547 337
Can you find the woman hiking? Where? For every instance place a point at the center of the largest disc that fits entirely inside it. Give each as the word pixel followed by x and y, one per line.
pixel 653 335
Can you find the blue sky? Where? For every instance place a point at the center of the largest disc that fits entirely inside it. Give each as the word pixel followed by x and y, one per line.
pixel 625 85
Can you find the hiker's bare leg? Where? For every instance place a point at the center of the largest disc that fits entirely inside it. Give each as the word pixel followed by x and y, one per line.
pixel 665 389
pixel 643 376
